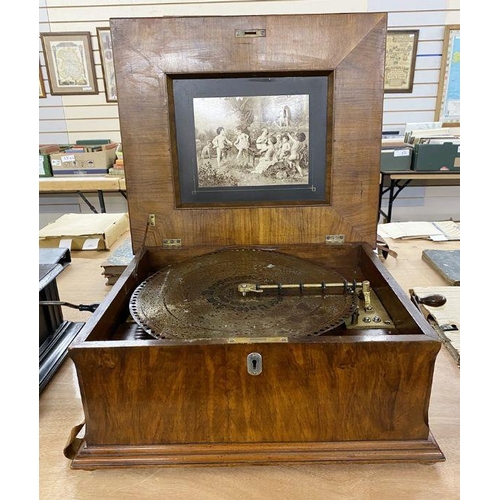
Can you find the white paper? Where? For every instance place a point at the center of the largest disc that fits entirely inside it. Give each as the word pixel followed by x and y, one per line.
pixel 450 229
pixel 401 152
pixel 435 231
pixel 91 244
pixel 65 243
pixel 409 229
pixel 438 237
pixel 410 127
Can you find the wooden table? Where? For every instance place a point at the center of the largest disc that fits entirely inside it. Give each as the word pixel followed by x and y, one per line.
pixel 84 184
pixel 399 180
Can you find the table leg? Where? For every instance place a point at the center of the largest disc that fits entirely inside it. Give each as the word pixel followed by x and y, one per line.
pixel 83 197
pixel 391 200
pixel 100 195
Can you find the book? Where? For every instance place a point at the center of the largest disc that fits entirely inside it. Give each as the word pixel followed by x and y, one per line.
pixel 117 262
pixel 116 171
pixel 445 262
pixel 92 142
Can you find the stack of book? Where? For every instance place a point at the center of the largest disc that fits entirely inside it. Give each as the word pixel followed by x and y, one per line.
pixel 117 168
pixel 117 262
pixel 433 136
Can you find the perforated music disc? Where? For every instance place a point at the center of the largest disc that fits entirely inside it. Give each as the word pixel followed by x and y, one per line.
pixel 199 299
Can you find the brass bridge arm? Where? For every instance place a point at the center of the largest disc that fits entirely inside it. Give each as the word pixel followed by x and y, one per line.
pixel 245 288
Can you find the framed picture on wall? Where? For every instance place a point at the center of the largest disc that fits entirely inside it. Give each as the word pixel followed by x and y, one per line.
pixel 108 68
pixel 70 63
pixel 400 57
pixel 41 83
pixel 448 97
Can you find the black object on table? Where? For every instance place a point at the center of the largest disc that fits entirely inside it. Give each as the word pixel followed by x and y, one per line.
pixel 55 333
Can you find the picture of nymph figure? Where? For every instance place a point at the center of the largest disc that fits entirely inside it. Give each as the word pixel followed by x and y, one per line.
pixel 252 140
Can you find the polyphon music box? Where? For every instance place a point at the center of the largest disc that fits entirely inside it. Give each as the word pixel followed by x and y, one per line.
pixel 256 323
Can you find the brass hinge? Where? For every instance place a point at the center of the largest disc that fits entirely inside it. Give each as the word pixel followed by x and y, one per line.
pixel 334 239
pixel 172 243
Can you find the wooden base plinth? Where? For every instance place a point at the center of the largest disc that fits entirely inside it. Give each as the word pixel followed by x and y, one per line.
pixel 97 457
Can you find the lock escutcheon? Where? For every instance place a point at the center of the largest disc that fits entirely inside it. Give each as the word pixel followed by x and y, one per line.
pixel 254 363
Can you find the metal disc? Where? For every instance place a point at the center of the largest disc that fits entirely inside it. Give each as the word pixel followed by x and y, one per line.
pixel 199 298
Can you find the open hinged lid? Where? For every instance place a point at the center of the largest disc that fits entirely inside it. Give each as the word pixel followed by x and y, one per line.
pixel 197 93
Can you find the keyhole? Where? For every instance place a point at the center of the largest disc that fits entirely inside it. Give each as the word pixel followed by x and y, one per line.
pixel 254 363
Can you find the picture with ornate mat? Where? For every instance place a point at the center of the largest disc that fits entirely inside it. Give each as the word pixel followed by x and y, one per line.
pixel 251 138
pixel 70 63
pixel 108 68
pixel 400 58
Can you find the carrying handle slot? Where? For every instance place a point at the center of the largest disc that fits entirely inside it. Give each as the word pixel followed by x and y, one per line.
pixel 250 33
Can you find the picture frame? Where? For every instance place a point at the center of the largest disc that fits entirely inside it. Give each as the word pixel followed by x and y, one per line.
pixel 448 96
pixel 41 84
pixel 236 113
pixel 401 54
pixel 70 63
pixel 108 68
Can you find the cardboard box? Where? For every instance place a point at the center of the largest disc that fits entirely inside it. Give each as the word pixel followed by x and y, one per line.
pixel 84 159
pixel 44 150
pixel 433 157
pixel 84 231
pixel 396 158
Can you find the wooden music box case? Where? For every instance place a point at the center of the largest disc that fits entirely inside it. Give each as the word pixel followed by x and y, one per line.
pixel 256 323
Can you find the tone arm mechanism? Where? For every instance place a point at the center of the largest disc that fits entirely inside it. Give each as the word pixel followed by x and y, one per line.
pixel 245 288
